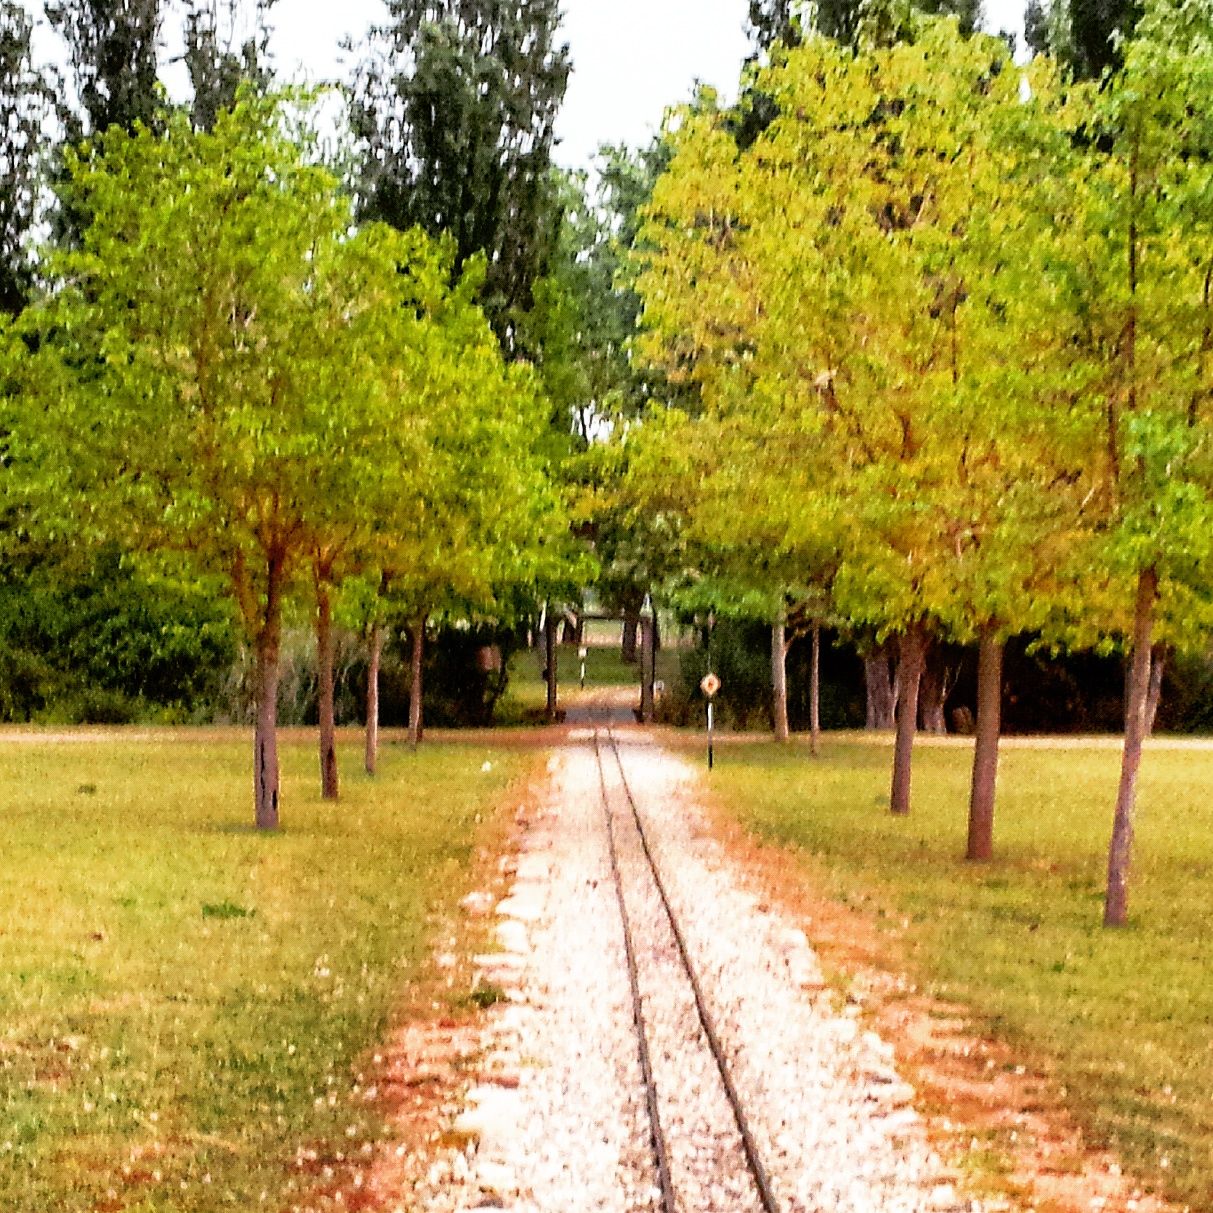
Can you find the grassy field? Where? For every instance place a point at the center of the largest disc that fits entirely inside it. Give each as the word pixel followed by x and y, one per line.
pixel 183 1003
pixel 1123 1020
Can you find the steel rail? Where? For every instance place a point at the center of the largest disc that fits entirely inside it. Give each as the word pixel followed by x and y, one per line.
pixel 758 1172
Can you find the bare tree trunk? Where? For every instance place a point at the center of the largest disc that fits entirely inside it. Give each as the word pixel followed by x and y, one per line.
pixel 550 658
pixel 815 691
pixel 570 629
pixel 374 660
pixel 1120 848
pixel 265 735
pixel 647 666
pixel 1158 668
pixel 909 677
pixel 631 627
pixel 779 676
pixel 881 691
pixel 324 661
pixel 417 633
pixel 933 693
pixel 985 748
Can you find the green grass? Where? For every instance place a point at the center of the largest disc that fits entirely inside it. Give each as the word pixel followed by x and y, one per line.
pixel 1124 1020
pixel 184 1003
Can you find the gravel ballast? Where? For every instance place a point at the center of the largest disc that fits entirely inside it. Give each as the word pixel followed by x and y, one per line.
pixel 557 1122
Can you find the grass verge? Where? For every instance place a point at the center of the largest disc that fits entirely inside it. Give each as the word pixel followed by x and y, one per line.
pixel 1121 1020
pixel 184 1003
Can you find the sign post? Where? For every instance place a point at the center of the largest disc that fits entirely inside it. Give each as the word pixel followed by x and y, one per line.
pixel 709 685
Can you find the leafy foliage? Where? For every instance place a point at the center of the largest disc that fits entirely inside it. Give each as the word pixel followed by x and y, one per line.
pixel 456 108
pixel 107 643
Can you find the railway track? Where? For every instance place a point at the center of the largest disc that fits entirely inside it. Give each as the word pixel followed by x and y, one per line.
pixel 705 1160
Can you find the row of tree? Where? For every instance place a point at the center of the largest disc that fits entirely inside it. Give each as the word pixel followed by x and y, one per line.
pixel 949 327
pixel 290 381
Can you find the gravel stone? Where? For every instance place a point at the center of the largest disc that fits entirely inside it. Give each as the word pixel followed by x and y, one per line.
pixel 558 1118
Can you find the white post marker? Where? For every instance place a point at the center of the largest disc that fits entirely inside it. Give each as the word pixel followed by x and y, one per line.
pixel 583 653
pixel 709 685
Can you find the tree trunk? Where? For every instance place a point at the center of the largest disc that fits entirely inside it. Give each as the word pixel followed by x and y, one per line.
pixel 909 678
pixel 551 657
pixel 1120 849
pixel 265 733
pixel 985 748
pixel 933 693
pixel 417 633
pixel 647 668
pixel 631 626
pixel 1158 667
pixel 374 659
pixel 779 677
pixel 571 629
pixel 881 696
pixel 815 691
pixel 324 662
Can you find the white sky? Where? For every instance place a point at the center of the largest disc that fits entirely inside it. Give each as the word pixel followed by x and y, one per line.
pixel 631 58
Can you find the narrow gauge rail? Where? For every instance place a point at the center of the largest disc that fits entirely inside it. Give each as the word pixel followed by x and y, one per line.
pixel 661 1153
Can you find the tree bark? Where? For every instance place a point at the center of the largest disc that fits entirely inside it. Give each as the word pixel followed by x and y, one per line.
pixel 815 691
pixel 417 633
pixel 985 748
pixel 572 629
pixel 932 694
pixel 268 644
pixel 374 660
pixel 1120 848
pixel 779 677
pixel 551 657
pixel 1158 668
pixel 648 654
pixel 909 678
pixel 881 696
pixel 631 627
pixel 324 661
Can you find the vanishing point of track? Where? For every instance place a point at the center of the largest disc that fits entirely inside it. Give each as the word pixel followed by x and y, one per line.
pixel 661 1148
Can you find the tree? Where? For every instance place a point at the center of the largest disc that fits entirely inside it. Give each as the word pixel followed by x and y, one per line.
pixel 1136 277
pixel 112 48
pixel 217 68
pixel 913 394
pixel 218 356
pixel 1084 35
pixel 476 513
pixel 25 106
pixel 455 106
pixel 772 21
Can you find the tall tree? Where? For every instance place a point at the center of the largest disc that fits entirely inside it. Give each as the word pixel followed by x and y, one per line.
pixel 218 61
pixel 219 356
pixel 25 106
pixel 112 51
pixel 1086 36
pixel 888 204
pixel 456 106
pixel 1137 276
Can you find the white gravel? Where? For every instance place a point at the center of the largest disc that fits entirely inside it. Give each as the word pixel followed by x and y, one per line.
pixel 566 1130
